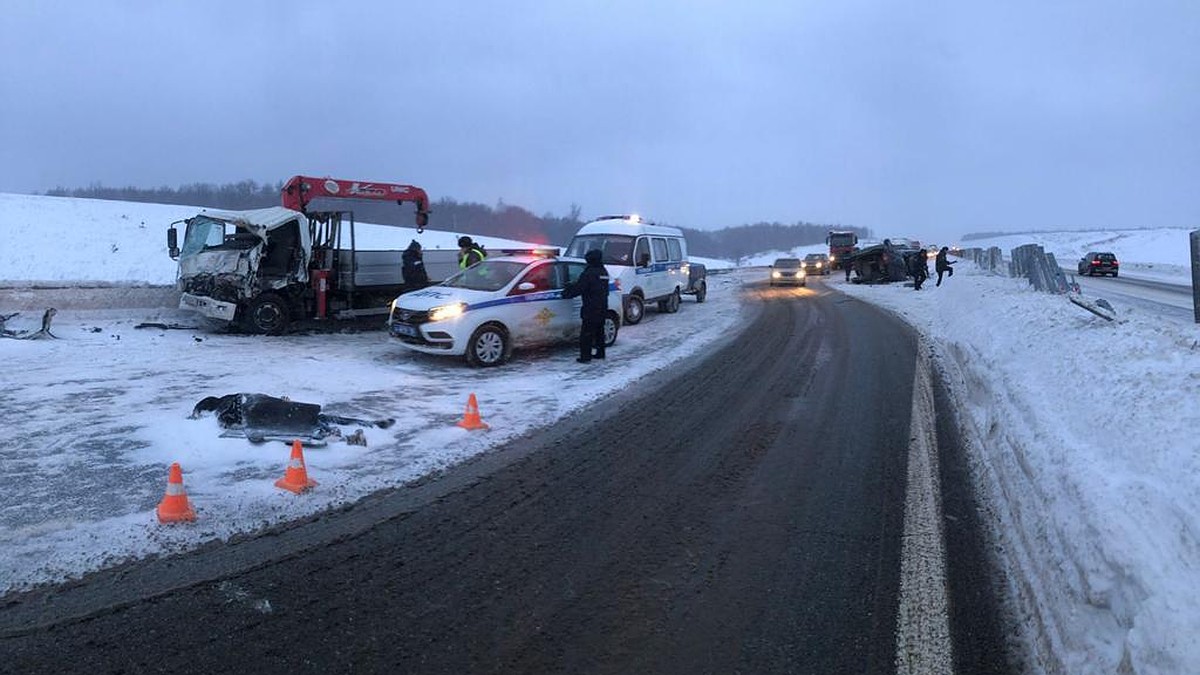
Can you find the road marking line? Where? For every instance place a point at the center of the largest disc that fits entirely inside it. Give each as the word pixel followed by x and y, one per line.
pixel 923 623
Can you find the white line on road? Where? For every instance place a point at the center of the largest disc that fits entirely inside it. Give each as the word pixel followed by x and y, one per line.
pixel 923 623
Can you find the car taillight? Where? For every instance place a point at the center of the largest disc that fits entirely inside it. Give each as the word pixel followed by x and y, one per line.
pixel 1095 262
pixel 1115 263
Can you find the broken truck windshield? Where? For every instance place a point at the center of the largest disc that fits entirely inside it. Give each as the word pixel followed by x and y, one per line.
pixel 202 232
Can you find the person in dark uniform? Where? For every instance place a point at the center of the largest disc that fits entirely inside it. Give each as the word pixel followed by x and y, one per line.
pixel 412 263
pixel 592 286
pixel 918 267
pixel 943 265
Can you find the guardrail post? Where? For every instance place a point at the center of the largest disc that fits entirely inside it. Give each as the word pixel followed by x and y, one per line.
pixel 1196 274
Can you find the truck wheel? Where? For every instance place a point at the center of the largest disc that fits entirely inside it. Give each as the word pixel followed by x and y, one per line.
pixel 488 346
pixel 612 323
pixel 701 291
pixel 634 309
pixel 267 314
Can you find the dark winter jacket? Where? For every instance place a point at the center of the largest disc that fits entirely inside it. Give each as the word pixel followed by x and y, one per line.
pixel 917 266
pixel 592 286
pixel 413 266
pixel 942 264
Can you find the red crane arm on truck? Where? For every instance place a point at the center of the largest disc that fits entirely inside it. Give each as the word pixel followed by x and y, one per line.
pixel 300 190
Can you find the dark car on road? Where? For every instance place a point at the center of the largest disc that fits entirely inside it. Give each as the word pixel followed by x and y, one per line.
pixel 816 263
pixel 1098 263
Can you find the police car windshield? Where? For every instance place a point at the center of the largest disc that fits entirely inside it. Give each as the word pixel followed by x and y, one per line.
pixel 617 249
pixel 489 275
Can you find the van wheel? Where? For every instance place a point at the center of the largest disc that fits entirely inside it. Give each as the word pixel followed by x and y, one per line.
pixel 612 323
pixel 701 291
pixel 634 309
pixel 672 303
pixel 267 315
pixel 488 346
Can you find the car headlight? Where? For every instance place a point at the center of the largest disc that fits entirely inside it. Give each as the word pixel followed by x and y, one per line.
pixel 447 311
pixel 799 273
pixel 776 275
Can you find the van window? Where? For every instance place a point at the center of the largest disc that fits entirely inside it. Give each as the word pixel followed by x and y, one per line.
pixel 641 252
pixel 614 247
pixel 660 249
pixel 675 250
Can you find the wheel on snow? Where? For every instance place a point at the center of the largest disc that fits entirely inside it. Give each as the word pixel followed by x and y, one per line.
pixel 266 315
pixel 612 323
pixel 488 346
pixel 701 291
pixel 634 309
pixel 673 302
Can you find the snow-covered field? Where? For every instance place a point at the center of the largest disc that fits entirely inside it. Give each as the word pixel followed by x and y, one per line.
pixel 1083 431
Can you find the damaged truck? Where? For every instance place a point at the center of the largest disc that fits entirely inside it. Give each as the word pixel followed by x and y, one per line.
pixel 263 269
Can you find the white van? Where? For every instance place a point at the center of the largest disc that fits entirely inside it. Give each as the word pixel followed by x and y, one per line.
pixel 648 261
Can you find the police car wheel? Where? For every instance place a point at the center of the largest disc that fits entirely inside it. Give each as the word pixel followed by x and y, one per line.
pixel 634 309
pixel 488 346
pixel 611 326
pixel 701 292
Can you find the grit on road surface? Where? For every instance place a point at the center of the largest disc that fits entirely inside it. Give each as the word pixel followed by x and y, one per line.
pixel 745 517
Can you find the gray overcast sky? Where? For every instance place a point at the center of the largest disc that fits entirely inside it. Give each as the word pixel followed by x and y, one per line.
pixel 926 119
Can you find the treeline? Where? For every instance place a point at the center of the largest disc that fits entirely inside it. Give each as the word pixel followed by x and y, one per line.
pixel 502 220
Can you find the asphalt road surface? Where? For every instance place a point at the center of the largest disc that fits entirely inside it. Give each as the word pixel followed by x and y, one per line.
pixel 741 513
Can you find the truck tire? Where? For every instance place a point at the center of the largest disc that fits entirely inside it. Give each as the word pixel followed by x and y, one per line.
pixel 489 346
pixel 268 314
pixel 612 324
pixel 635 308
pixel 701 291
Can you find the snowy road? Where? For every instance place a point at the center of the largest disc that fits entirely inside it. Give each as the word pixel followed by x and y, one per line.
pixel 672 529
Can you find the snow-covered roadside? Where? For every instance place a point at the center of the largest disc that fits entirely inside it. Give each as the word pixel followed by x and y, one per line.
pixel 1083 436
pixel 94 419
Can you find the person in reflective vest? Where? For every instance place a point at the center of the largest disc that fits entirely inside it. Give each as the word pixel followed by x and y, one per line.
pixel 469 253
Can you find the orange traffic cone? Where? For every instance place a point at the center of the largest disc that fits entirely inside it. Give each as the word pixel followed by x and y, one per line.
pixel 470 420
pixel 296 479
pixel 174 507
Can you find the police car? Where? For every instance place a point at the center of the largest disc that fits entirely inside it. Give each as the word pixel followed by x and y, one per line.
pixel 496 305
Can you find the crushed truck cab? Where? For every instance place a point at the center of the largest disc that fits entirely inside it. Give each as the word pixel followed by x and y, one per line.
pixel 230 257
pixel 264 268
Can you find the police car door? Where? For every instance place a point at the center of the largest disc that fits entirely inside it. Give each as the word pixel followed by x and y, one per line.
pixel 533 313
pixel 568 273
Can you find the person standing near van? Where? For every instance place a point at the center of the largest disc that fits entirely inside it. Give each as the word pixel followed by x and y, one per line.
pixel 592 286
pixel 469 253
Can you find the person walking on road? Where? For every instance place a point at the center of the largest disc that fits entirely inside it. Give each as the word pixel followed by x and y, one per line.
pixel 942 265
pixel 592 286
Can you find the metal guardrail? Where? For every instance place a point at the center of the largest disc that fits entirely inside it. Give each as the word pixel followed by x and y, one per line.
pixel 1195 238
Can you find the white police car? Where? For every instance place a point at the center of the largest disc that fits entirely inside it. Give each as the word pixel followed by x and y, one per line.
pixel 496 305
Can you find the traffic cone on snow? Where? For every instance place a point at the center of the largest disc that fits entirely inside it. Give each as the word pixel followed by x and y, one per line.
pixel 470 420
pixel 174 507
pixel 296 479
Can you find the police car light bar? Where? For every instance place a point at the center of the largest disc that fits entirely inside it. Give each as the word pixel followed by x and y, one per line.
pixel 542 251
